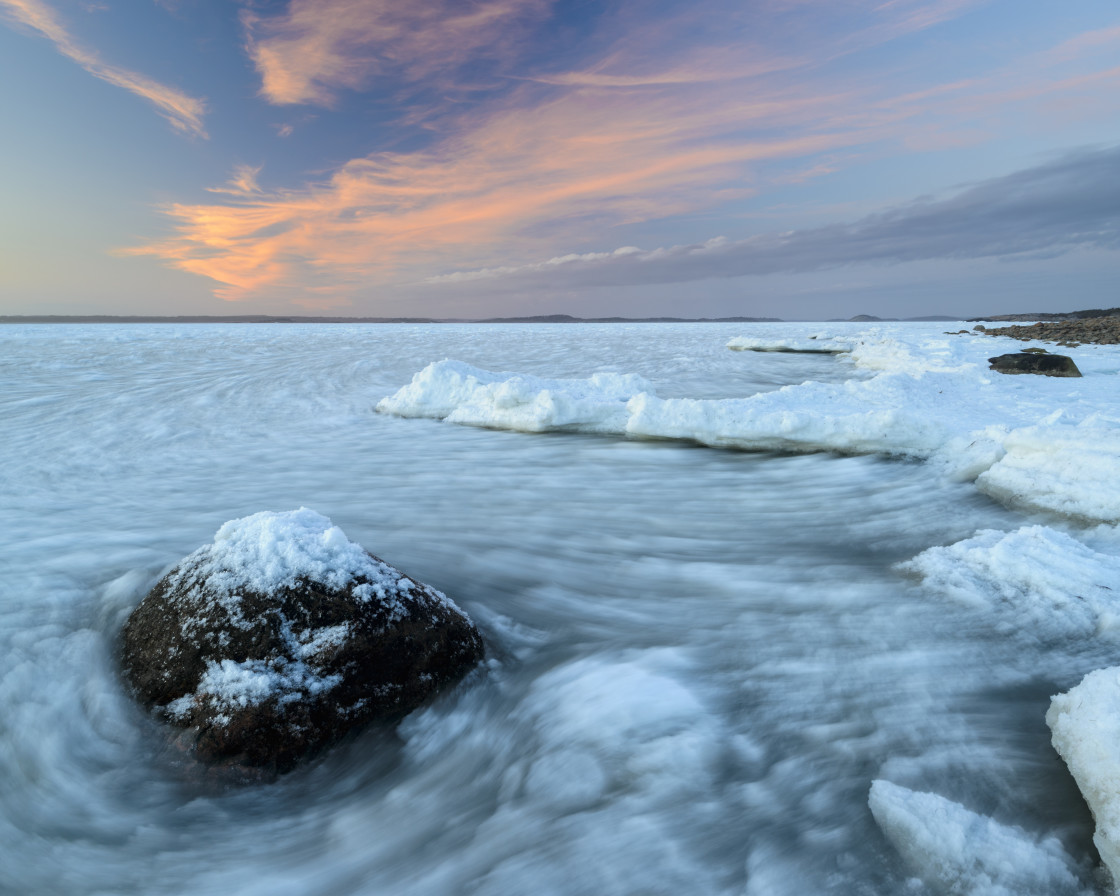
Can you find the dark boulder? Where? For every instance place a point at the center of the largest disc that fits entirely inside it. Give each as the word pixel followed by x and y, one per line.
pixel 282 635
pixel 1031 362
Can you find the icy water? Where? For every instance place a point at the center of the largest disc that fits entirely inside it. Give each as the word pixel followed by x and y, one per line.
pixel 699 659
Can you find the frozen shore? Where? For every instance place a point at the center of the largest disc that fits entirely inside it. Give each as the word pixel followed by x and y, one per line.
pixel 1031 443
pixel 699 661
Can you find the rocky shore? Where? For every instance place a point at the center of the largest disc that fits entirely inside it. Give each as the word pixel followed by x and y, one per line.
pixel 1096 330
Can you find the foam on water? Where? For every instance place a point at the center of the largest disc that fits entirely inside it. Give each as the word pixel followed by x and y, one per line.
pixel 698 661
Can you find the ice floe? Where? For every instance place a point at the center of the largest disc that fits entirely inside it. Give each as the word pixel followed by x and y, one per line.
pixel 1067 469
pixel 1036 579
pixel 966 854
pixel 823 344
pixel 460 393
pixel 1085 724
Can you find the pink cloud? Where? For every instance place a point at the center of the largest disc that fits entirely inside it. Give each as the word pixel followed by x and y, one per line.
pixel 521 175
pixel 183 111
pixel 318 47
pixel 649 131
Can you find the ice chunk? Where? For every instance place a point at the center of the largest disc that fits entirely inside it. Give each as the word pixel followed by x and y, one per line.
pixel 1039 579
pixel 821 344
pixel 439 389
pixel 852 417
pixel 463 394
pixel 953 848
pixel 1085 727
pixel 1073 470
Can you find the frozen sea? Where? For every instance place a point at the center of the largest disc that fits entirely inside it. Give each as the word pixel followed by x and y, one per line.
pixel 757 623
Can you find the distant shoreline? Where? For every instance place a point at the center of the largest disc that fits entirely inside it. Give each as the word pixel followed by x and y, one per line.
pixel 541 319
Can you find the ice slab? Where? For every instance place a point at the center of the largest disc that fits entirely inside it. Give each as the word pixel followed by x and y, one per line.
pixel 1085 727
pixel 1068 469
pixel 823 344
pixel 1036 578
pixel 961 852
pixel 460 393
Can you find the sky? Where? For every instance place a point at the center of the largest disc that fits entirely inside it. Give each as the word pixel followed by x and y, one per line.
pixel 801 159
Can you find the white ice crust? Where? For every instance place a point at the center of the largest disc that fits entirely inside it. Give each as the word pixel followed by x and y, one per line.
pixel 1085 727
pixel 961 852
pixel 1043 443
pixel 1035 579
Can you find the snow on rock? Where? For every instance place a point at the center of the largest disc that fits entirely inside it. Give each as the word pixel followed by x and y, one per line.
pixel 282 634
pixel 1085 727
pixel 956 850
pixel 1037 579
pixel 1046 444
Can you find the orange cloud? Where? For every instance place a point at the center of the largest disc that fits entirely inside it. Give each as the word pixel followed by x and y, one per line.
pixel 525 174
pixel 320 46
pixel 183 111
pixel 637 137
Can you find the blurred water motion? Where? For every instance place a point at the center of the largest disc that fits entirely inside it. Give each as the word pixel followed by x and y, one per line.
pixel 698 660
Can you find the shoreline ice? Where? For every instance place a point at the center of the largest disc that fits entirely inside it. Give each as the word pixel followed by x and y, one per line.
pixel 1038 443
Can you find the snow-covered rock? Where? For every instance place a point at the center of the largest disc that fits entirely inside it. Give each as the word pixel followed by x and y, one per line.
pixel 282 635
pixel 1041 363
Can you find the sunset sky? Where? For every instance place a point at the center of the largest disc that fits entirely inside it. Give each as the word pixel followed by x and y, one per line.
pixel 785 158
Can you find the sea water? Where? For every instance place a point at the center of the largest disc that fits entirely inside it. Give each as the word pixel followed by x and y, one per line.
pixel 699 659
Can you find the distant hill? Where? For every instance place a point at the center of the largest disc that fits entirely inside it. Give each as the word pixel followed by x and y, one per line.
pixel 872 319
pixel 1067 315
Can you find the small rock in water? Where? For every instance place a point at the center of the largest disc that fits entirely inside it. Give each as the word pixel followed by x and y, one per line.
pixel 1033 362
pixel 282 635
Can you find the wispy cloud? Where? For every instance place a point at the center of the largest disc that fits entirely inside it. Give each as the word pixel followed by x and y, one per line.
pixel 183 111
pixel 1073 202
pixel 317 47
pixel 243 182
pixel 652 128
pixel 523 176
